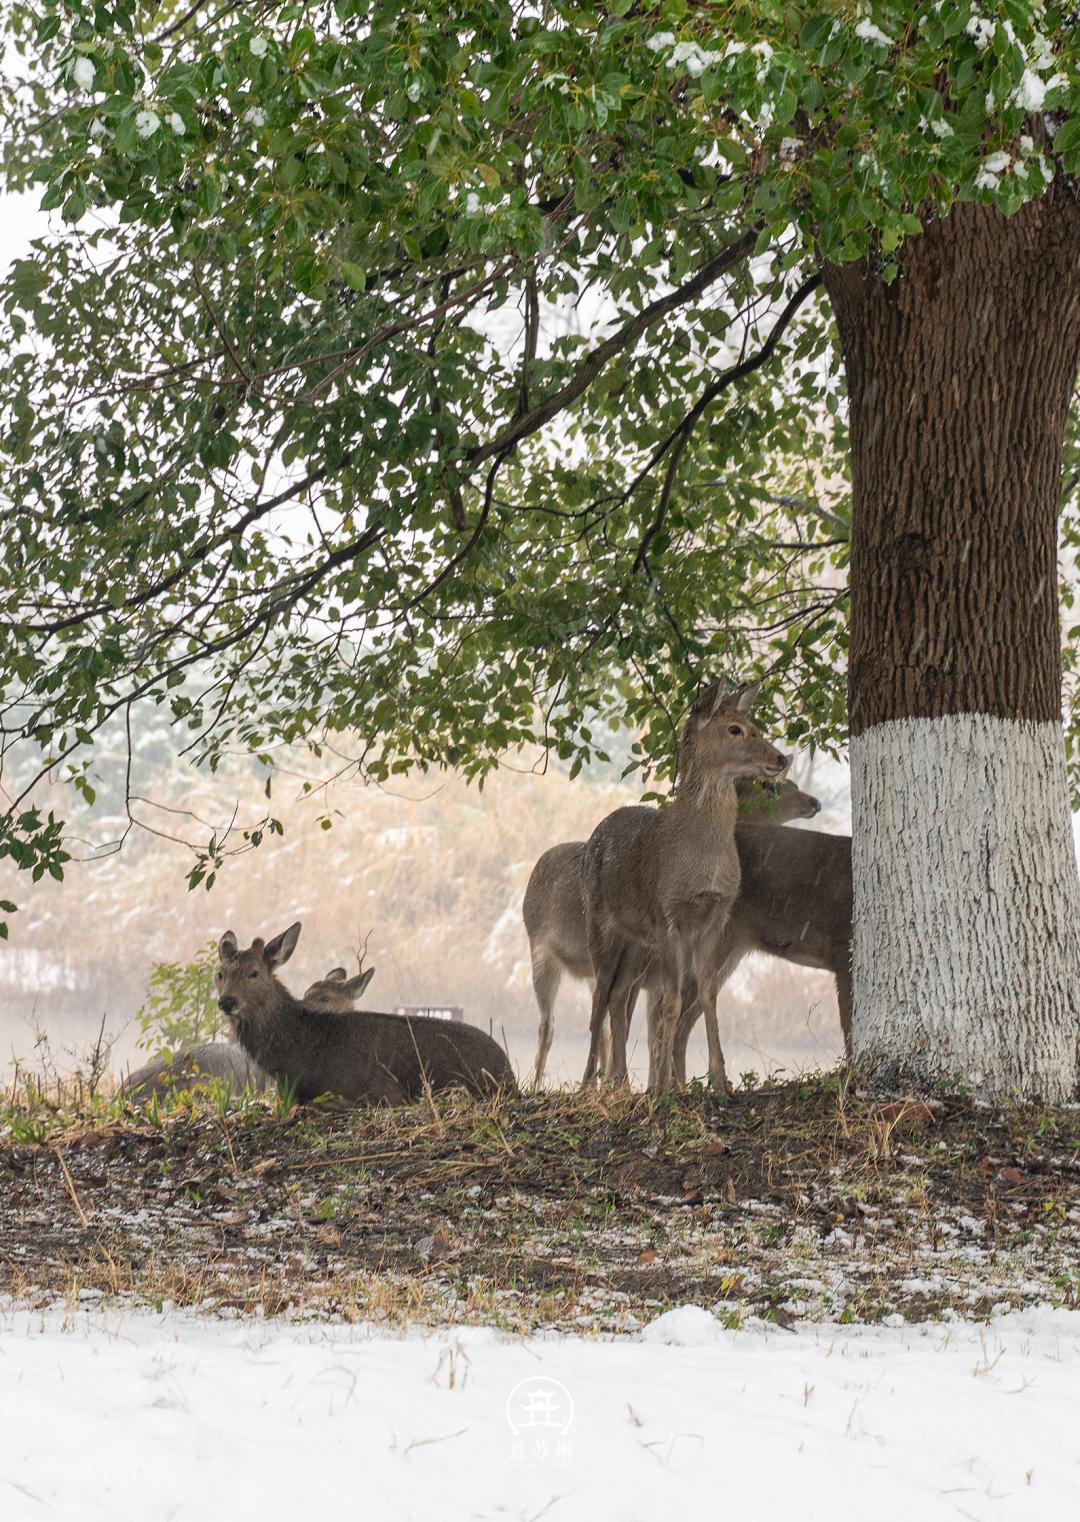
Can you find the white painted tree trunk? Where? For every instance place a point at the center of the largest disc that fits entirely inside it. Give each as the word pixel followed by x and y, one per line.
pixel 967 906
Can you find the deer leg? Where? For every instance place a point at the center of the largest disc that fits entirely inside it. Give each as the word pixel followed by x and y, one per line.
pixel 688 1018
pixel 657 1056
pixel 621 1007
pixel 652 1021
pixel 707 970
pixel 607 970
pixel 546 977
pixel 672 1006
pixel 717 1072
pixel 668 1005
pixel 616 1064
pixel 605 1051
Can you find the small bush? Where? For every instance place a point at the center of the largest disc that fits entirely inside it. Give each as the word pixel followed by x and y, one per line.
pixel 181 1009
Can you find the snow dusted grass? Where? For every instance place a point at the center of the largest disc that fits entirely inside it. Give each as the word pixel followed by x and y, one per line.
pixel 110 1413
pixel 571 1212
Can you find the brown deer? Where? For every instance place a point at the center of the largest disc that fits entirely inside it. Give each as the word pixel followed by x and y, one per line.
pixel 554 912
pixel 228 1061
pixel 364 1055
pixel 658 885
pixel 212 1060
pixel 337 991
pixel 794 902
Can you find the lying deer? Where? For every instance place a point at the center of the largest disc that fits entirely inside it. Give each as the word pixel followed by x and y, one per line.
pixel 222 1060
pixel 337 991
pixel 361 1056
pixel 658 886
pixel 554 911
pixel 228 1061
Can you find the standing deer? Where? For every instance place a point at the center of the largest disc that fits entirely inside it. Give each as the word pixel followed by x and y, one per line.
pixel 225 1059
pixel 659 884
pixel 362 1055
pixel 554 911
pixel 795 902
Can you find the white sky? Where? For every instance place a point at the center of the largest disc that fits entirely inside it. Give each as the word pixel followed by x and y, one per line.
pixel 20 221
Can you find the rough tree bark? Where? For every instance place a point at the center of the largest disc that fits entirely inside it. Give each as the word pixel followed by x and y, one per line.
pixel 967 900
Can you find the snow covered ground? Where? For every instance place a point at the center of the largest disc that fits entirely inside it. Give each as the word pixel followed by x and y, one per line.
pixel 122 1415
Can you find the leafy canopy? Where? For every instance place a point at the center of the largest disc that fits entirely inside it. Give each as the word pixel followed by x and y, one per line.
pixel 439 378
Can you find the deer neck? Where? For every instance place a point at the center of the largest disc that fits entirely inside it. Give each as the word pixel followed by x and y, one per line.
pixel 706 801
pixel 697 839
pixel 271 1034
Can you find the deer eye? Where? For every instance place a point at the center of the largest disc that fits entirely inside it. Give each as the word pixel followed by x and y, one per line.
pixel 734 729
pixel 253 973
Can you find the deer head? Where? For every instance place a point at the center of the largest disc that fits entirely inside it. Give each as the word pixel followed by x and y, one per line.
pixel 775 802
pixel 245 981
pixel 720 744
pixel 337 991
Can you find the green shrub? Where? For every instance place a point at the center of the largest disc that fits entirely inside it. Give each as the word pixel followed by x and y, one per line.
pixel 181 1009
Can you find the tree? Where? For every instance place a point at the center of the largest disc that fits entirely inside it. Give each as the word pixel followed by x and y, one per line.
pixel 303 442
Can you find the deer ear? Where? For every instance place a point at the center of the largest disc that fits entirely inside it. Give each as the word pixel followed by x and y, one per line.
pixel 747 696
pixel 336 975
pixel 356 985
pixel 281 948
pixel 227 947
pixel 709 701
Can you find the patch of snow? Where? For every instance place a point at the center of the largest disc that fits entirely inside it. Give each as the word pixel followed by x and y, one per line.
pixel 1030 92
pixel 871 33
pixel 688 1326
pixel 981 31
pixel 111 1413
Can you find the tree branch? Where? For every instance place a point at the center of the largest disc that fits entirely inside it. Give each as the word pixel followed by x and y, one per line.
pixel 681 435
pixel 629 333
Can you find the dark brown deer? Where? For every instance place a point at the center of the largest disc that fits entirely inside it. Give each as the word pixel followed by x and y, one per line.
pixel 554 911
pixel 363 1055
pixel 658 885
pixel 337 991
pixel 227 1061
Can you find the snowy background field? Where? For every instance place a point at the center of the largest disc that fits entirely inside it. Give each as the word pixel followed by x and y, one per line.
pixel 118 1414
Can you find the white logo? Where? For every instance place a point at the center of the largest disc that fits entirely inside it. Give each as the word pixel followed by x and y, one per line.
pixel 539 1413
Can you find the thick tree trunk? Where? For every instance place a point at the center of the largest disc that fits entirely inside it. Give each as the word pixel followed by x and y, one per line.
pixel 967 900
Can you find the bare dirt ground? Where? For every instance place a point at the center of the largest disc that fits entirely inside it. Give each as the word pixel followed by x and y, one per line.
pixel 582 1212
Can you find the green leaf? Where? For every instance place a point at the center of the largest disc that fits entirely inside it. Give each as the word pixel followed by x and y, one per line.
pixel 1067 143
pixel 355 274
